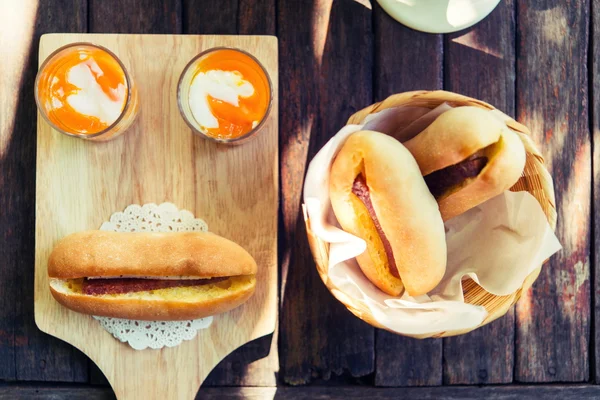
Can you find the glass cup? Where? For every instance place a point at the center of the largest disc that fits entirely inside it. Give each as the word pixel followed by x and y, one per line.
pixel 225 61
pixel 79 89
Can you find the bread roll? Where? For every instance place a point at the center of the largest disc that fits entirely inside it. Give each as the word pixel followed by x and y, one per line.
pixel 378 194
pixel 150 276
pixel 467 156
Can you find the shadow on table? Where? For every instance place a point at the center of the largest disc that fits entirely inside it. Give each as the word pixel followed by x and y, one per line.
pixel 327 70
pixel 31 354
pixel 231 371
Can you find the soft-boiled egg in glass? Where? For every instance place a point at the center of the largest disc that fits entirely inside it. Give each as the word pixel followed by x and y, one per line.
pixel 224 94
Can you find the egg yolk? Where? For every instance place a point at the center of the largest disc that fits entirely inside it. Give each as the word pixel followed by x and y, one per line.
pixel 235 121
pixel 55 88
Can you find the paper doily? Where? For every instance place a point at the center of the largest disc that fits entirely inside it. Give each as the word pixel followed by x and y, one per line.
pixel 153 334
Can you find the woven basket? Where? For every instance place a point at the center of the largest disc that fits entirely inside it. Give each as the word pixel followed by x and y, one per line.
pixel 535 179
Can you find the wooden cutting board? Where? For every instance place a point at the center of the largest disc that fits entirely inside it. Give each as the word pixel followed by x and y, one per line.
pixel 233 188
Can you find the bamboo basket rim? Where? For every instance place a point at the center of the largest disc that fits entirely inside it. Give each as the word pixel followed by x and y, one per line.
pixel 535 179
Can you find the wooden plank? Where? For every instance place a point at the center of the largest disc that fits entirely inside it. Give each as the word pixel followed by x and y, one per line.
pixel 245 17
pixel 210 17
pixel 553 319
pixel 15 39
pixel 257 363
pixel 327 70
pixel 26 353
pixel 36 392
pixel 135 16
pixel 256 17
pixel 487 52
pixel 402 361
pixel 254 364
pixel 132 16
pixel 405 59
pixel 546 392
pixel 595 115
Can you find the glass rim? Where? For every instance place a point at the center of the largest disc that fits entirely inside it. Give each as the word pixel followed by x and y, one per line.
pixel 204 135
pixel 42 110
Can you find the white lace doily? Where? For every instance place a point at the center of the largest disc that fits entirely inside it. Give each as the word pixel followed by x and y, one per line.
pixel 153 334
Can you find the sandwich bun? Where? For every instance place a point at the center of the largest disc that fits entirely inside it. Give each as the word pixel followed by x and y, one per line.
pixel 91 272
pixel 467 156
pixel 394 213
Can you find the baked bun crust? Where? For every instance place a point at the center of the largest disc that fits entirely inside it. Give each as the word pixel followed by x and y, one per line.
pixel 459 135
pixel 81 257
pixel 454 136
pixel 407 213
pixel 102 253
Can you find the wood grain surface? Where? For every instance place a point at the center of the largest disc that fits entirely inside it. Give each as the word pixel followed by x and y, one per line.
pixel 25 352
pixel 327 69
pixel 132 16
pixel 257 363
pixel 552 319
pixel 208 17
pixel 400 53
pixel 505 392
pixel 300 54
pixel 160 160
pixel 595 127
pixel 135 16
pixel 480 62
pixel 254 364
pixel 337 56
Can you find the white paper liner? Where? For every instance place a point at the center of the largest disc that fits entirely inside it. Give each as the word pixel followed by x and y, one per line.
pixel 140 335
pixel 498 244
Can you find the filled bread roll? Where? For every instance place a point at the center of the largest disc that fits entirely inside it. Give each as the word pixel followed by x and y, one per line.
pixel 378 194
pixel 467 156
pixel 150 276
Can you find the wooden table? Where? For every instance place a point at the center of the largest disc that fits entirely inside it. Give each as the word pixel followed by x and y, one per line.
pixel 536 60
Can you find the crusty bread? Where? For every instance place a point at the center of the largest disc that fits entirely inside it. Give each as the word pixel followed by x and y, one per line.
pixel 171 304
pixel 174 255
pixel 506 161
pixel 407 212
pixel 110 254
pixel 454 136
pixel 457 135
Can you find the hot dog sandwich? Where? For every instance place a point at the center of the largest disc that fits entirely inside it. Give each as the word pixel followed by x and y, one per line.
pixel 150 276
pixel 378 194
pixel 467 156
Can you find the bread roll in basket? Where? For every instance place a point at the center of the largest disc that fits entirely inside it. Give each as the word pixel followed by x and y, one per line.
pixel 535 180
